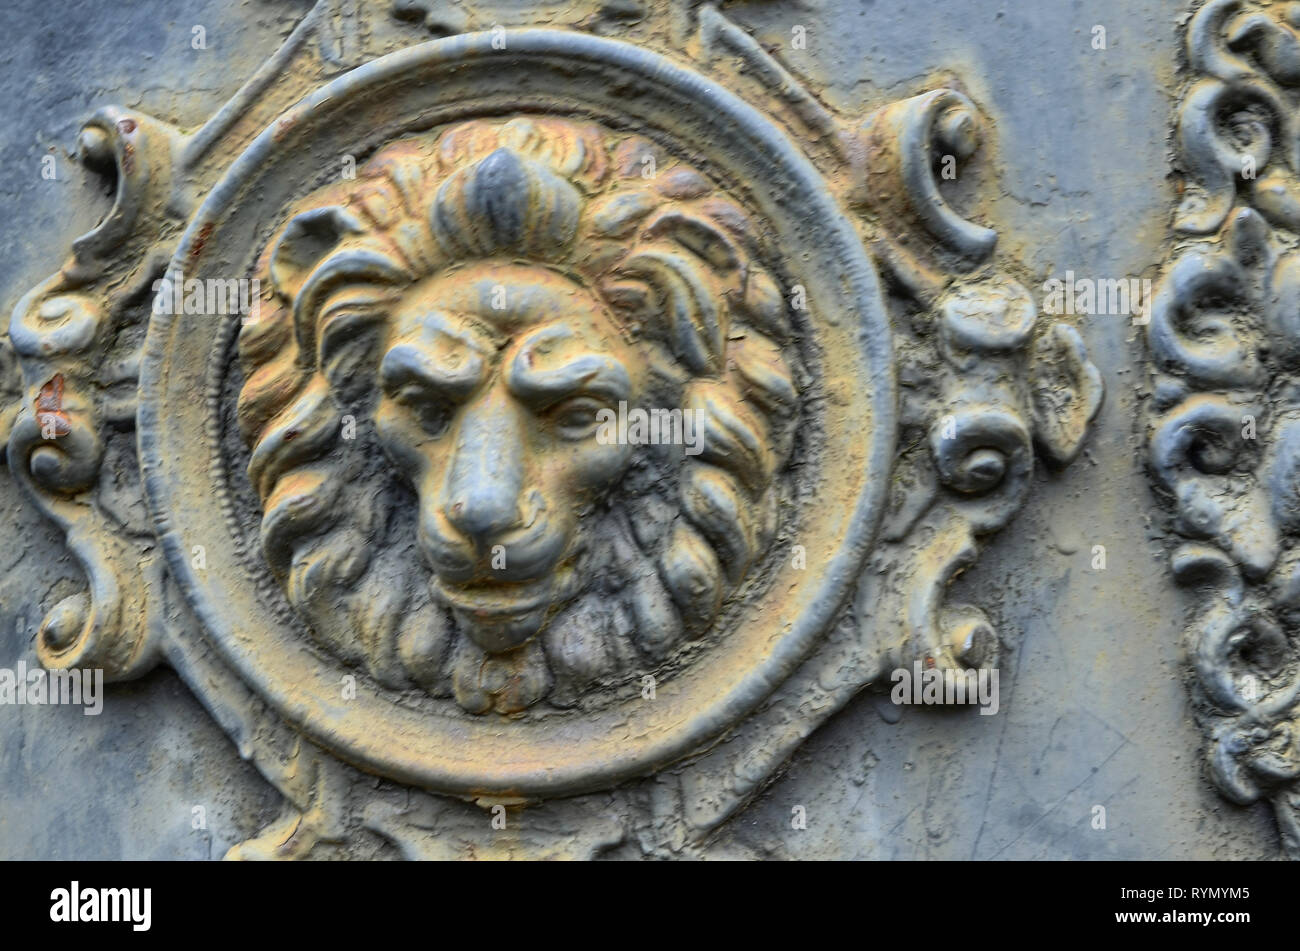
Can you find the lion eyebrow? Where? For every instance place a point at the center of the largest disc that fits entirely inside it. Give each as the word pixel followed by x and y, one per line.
pixel 442 355
pixel 594 373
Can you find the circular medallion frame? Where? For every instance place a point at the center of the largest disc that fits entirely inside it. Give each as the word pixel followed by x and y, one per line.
pixel 623 86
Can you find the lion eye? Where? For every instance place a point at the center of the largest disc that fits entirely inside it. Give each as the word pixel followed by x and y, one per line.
pixel 433 413
pixel 575 418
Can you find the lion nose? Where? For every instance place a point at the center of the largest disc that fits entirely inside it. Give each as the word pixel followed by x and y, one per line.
pixel 486 474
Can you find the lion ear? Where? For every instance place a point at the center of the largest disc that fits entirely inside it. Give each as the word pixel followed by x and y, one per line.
pixel 306 240
pixel 686 315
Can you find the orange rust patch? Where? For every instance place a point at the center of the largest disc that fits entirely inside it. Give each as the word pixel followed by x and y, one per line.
pixel 49 408
pixel 202 239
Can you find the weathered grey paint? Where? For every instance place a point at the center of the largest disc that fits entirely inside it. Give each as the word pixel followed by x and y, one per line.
pixel 1094 708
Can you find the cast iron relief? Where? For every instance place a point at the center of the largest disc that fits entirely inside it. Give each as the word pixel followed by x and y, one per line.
pixel 371 522
pixel 1224 427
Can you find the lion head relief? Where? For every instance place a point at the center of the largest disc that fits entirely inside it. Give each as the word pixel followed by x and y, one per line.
pixel 422 400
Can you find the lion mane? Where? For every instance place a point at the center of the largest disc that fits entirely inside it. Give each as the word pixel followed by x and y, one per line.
pixel 676 262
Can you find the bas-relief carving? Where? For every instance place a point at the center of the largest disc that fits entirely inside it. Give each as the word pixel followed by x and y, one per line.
pixel 1223 423
pixel 475 300
pixel 543 224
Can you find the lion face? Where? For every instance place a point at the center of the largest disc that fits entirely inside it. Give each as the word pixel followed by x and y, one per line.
pixel 488 393
pixel 473 304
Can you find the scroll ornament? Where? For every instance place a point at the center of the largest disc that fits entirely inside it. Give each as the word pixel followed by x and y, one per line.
pixel 1224 422
pixel 298 512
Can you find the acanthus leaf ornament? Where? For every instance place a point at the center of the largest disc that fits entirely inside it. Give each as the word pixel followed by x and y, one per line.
pixel 427 588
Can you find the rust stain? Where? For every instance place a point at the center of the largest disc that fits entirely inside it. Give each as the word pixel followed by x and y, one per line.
pixel 283 126
pixel 201 241
pixel 50 415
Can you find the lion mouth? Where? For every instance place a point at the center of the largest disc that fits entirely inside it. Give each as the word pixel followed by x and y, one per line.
pixel 499 616
pixel 496 599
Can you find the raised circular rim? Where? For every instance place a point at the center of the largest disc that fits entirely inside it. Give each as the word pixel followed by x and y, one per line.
pixel 479 757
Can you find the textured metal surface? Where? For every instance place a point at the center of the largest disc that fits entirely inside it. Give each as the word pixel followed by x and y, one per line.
pixel 830 229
